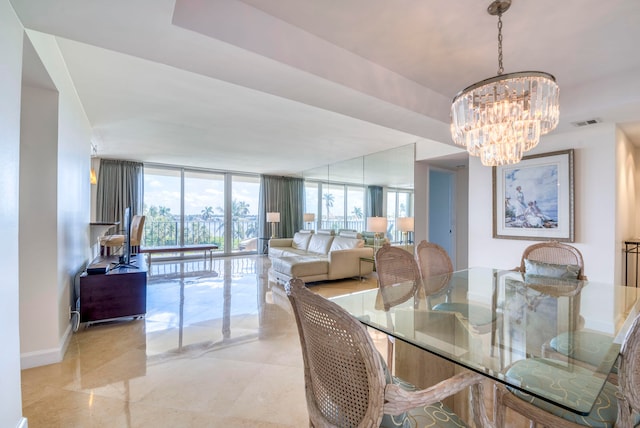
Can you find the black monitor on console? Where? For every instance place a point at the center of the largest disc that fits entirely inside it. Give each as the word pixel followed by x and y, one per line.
pixel 126 253
pixel 125 259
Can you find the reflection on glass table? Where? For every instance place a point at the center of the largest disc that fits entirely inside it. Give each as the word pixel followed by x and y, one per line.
pixel 529 313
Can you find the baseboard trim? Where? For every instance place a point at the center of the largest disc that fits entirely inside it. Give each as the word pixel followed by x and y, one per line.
pixel 46 356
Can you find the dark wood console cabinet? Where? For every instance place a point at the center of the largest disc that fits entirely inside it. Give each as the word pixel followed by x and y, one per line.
pixel 121 292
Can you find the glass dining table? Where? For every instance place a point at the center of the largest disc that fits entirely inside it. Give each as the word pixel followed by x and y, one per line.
pixel 486 320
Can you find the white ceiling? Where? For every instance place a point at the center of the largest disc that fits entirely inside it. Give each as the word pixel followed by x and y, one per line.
pixel 281 86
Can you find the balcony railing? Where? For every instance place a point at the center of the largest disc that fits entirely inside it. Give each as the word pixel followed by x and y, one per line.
pixel 163 232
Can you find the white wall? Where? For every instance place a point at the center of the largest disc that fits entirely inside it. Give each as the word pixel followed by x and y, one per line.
pixel 38 220
pixel 10 77
pixel 47 296
pixel 595 205
pixel 626 200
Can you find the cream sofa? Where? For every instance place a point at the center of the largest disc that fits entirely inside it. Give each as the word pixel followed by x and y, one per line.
pixel 318 257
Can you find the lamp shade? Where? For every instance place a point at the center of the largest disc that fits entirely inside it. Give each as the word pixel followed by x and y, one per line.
pixel 309 217
pixel 273 217
pixel 377 224
pixel 405 224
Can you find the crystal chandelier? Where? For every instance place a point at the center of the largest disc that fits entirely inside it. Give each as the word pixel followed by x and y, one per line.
pixel 504 116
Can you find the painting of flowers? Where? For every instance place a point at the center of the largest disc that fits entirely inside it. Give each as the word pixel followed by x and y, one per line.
pixel 534 198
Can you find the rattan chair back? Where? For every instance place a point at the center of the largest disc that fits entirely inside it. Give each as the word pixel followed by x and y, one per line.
pixel 629 372
pixel 398 275
pixel 344 376
pixel 554 252
pixel 434 264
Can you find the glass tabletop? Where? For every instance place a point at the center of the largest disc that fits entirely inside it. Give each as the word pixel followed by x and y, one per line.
pixel 489 321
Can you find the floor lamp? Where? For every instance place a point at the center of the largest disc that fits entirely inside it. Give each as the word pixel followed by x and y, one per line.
pixel 309 218
pixel 377 225
pixel 405 225
pixel 273 218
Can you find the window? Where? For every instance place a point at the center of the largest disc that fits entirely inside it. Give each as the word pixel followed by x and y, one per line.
pixel 399 204
pixel 186 207
pixel 162 207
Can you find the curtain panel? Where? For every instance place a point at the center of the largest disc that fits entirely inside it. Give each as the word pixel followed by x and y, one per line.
pixel 374 201
pixel 284 195
pixel 120 185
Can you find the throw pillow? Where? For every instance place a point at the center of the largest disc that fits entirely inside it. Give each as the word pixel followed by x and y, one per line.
pixel 551 270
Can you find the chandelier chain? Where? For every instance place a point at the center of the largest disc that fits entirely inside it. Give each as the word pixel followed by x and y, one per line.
pixel 500 67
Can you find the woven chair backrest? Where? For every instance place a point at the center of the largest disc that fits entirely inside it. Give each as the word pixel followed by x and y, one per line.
pixel 554 252
pixel 629 370
pixel 344 377
pixel 433 261
pixel 397 268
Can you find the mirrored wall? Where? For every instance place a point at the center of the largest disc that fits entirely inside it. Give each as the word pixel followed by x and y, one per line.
pixel 343 195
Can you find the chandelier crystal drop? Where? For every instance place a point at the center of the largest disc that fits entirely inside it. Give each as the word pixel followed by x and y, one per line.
pixel 501 118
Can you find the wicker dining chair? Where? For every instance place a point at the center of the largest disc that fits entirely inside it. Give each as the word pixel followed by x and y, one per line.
pixel 398 280
pixel 397 270
pixel 617 406
pixel 565 262
pixel 555 254
pixel 346 382
pixel 434 264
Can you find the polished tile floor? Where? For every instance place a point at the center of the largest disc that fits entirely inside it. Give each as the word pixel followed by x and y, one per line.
pixel 214 350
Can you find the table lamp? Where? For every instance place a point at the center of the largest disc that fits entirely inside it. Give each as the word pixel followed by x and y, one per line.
pixel 405 225
pixel 273 218
pixel 309 218
pixel 377 225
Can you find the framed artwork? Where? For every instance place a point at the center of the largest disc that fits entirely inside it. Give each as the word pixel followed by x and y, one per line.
pixel 534 198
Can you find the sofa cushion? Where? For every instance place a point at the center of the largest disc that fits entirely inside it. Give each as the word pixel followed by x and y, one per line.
pixel 343 243
pixel 301 241
pixel 300 267
pixel 320 244
pixel 285 252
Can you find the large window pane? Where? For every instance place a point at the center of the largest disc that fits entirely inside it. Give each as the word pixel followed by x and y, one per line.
pixel 355 208
pixel 333 216
pixel 245 192
pixel 311 200
pixel 399 204
pixel 186 207
pixel 204 208
pixel 161 207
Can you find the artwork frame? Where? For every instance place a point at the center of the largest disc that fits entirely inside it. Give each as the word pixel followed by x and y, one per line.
pixel 547 178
